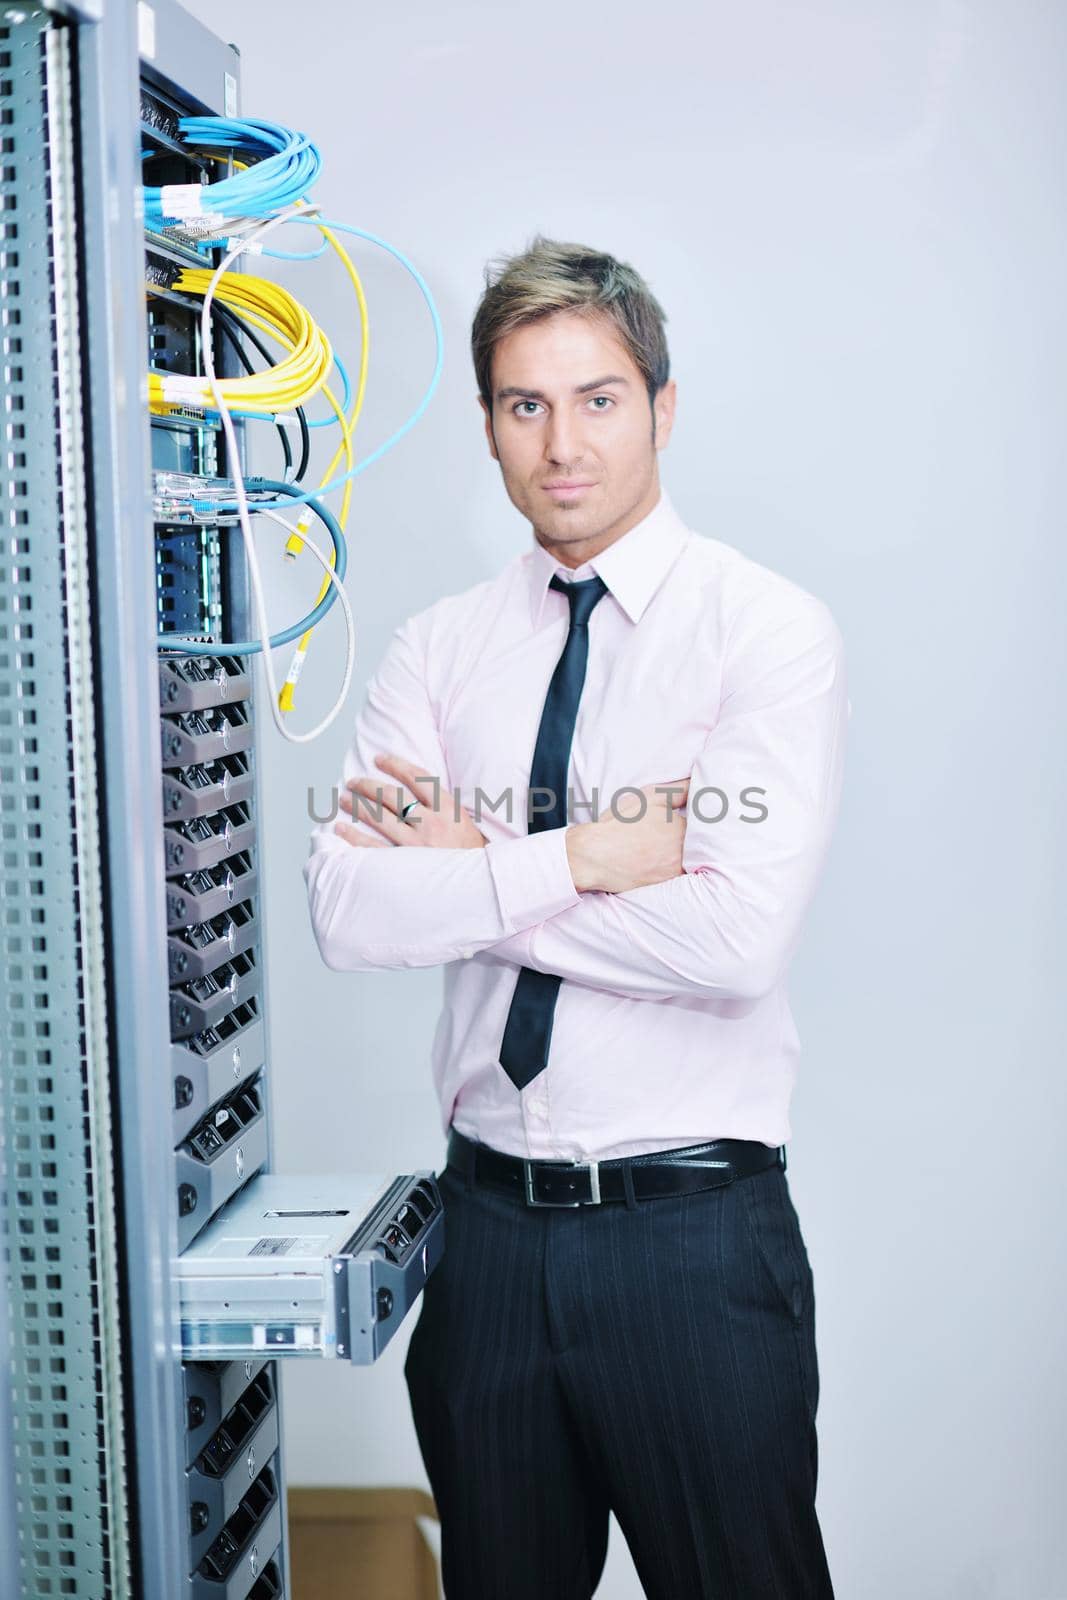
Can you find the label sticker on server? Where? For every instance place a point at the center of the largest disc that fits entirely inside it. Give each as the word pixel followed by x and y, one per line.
pixel 272 1247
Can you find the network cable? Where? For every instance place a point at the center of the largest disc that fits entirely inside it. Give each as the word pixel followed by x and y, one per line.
pixel 265 305
pixel 295 541
pixel 251 554
pixel 206 211
pixel 312 217
pixel 203 128
pixel 209 506
pixel 278 320
pixel 242 242
pixel 235 330
pixel 283 166
pixel 398 434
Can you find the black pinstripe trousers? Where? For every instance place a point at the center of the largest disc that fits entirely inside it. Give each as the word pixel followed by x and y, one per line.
pixel 655 1359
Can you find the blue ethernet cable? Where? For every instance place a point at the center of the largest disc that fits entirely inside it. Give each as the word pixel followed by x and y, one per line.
pixel 284 163
pixel 168 641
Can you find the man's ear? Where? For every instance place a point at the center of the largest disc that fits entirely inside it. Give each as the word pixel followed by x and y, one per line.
pixel 663 410
pixel 489 428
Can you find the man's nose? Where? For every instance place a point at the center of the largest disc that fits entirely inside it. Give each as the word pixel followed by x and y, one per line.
pixel 563 441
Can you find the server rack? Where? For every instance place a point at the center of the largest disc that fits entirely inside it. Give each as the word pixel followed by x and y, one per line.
pixel 68 1389
pixel 233 1505
pixel 134 1074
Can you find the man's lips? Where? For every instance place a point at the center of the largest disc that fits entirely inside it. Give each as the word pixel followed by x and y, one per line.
pixel 562 489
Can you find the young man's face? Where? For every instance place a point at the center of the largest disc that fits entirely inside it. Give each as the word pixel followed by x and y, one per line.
pixel 570 406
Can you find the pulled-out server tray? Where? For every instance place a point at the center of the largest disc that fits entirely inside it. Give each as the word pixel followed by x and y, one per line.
pixel 309 1266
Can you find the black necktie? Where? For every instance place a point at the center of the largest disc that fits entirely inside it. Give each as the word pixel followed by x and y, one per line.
pixel 524 1051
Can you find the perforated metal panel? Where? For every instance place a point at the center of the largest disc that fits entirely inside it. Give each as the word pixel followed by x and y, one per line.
pixel 56 1182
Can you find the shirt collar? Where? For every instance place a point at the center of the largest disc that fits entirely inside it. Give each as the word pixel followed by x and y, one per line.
pixel 633 567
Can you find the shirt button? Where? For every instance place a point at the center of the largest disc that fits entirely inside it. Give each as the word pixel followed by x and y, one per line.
pixel 466 954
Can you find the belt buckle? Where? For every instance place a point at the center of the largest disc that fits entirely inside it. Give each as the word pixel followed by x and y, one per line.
pixel 593 1168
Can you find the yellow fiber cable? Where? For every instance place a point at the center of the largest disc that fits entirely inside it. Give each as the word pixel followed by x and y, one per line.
pixel 292 382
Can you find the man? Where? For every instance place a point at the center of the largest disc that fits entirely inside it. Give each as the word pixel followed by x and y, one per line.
pixel 599 789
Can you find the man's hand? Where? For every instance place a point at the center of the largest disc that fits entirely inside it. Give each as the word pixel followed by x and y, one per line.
pixel 433 823
pixel 633 848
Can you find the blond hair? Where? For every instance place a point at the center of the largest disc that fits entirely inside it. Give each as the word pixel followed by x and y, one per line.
pixel 551 275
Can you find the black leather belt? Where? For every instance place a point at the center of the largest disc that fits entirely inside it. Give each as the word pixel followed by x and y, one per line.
pixel 583 1183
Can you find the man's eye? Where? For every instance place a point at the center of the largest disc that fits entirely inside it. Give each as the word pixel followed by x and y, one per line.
pixel 519 412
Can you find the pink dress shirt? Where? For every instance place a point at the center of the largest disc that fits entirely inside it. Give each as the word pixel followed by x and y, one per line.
pixel 672 1025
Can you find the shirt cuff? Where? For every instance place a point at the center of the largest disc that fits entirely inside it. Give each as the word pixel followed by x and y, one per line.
pixel 532 877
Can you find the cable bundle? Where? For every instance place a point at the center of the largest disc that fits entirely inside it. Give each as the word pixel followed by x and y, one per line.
pixel 257 196
pixel 277 167
pixel 267 306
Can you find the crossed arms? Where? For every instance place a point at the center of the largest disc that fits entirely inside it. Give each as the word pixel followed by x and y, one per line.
pixel 726 928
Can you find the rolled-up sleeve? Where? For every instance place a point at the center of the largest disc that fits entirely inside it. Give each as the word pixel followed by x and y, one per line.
pixel 408 906
pixel 728 927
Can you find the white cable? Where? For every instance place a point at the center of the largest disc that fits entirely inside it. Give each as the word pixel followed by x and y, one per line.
pixel 350 630
pixel 242 498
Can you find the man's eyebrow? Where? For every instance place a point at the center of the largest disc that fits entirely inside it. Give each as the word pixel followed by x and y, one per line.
pixel 538 394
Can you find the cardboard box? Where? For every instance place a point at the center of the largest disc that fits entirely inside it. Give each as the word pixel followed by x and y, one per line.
pixel 361 1544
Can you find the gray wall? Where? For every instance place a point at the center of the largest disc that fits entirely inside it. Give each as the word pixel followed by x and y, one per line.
pixel 854 217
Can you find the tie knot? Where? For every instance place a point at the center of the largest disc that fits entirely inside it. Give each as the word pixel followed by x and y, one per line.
pixel 581 597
